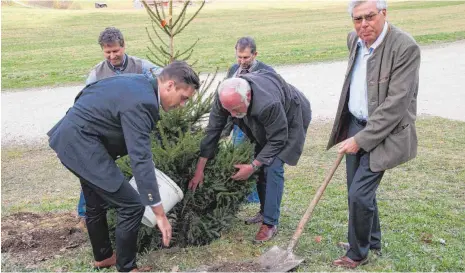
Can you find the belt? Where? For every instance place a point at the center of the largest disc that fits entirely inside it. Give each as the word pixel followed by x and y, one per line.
pixel 361 122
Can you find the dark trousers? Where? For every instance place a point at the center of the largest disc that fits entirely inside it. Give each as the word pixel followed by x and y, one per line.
pixel 364 229
pixel 129 210
pixel 270 187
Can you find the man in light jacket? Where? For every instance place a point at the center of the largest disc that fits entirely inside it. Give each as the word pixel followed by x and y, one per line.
pixel 375 120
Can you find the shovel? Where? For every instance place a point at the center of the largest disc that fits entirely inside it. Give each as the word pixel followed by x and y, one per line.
pixel 282 260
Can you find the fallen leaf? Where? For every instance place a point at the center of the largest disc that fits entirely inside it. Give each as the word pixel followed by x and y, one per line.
pixel 426 237
pixel 318 239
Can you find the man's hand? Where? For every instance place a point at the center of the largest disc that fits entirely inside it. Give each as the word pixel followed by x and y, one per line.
pixel 245 171
pixel 163 224
pixel 198 175
pixel 349 146
pixel 196 181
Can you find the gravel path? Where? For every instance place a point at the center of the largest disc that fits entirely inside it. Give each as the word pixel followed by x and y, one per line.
pixel 27 115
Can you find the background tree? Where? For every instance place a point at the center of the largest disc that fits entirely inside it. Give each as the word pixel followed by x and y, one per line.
pixel 163 52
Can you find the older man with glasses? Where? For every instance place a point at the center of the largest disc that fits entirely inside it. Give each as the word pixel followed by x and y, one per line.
pixel 375 121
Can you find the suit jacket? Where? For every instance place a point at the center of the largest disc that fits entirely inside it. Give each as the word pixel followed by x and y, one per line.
pixel 259 66
pixel 392 82
pixel 110 118
pixel 277 119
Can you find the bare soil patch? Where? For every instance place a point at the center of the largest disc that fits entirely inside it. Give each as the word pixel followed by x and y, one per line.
pixel 236 267
pixel 31 238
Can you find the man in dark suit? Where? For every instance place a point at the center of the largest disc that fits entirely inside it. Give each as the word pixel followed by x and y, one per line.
pixel 111 118
pixel 375 120
pixel 274 115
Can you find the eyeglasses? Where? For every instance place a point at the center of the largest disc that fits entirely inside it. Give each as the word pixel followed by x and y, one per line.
pixel 369 17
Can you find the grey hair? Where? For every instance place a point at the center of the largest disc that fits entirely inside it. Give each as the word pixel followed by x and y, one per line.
pixel 246 42
pixel 240 86
pixel 110 36
pixel 380 4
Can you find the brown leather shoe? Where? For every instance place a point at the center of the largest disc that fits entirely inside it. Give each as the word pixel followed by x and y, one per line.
pixel 347 262
pixel 265 233
pixel 258 218
pixel 81 225
pixel 108 262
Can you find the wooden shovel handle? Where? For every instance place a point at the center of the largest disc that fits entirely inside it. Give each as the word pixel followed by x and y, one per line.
pixel 311 206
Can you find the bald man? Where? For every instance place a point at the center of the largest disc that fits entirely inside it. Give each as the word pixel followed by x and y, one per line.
pixel 275 116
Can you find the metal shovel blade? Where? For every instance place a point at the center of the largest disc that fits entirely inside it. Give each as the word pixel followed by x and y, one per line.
pixel 278 260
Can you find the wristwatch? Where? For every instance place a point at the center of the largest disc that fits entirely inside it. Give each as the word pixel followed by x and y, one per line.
pixel 255 167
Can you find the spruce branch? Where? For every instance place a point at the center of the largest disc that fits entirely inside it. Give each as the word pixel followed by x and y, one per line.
pixel 188 56
pixel 192 18
pixel 156 33
pixel 183 17
pixel 183 11
pixel 159 61
pixel 155 17
pixel 190 48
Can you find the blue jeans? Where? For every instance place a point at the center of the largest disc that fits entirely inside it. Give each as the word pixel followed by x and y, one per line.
pixel 239 137
pixel 81 207
pixel 272 191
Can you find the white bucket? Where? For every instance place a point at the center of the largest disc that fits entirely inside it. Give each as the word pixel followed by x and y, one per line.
pixel 170 195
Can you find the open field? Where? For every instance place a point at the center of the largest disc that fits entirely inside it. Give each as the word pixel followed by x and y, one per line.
pixel 46 47
pixel 421 203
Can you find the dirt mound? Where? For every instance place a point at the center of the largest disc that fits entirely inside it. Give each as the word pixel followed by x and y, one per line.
pixel 32 238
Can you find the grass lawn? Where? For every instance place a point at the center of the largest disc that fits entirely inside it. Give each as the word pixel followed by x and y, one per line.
pixel 46 47
pixel 424 198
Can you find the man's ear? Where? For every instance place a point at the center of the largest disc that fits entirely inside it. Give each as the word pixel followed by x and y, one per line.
pixel 170 85
pixel 249 95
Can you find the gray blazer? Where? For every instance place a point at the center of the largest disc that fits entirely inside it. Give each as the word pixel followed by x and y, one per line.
pixel 103 125
pixel 277 119
pixel 392 80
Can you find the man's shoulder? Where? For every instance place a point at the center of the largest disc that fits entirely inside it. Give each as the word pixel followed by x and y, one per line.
pixel 400 38
pixel 92 77
pixel 140 59
pixel 232 69
pixel 99 65
pixel 263 66
pixel 352 39
pixel 148 65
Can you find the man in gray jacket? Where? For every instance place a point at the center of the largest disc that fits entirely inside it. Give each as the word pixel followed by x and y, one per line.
pixel 110 118
pixel 375 120
pixel 275 116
